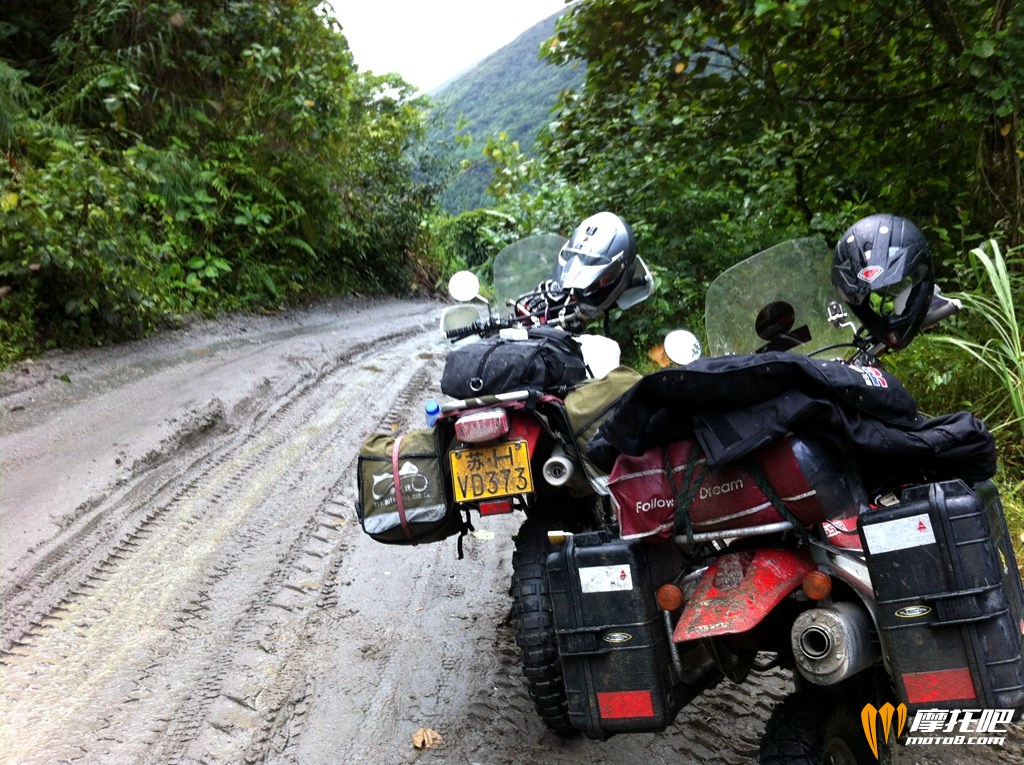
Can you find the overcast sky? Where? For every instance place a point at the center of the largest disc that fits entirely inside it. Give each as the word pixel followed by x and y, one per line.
pixel 430 41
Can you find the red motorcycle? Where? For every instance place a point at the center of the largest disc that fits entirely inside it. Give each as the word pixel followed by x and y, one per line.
pixel 512 436
pixel 824 525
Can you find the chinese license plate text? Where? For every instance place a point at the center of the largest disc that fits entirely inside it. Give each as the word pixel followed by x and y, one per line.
pixel 486 472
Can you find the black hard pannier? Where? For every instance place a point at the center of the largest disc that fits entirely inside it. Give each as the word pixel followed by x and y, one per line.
pixel 949 595
pixel 402 497
pixel 548 360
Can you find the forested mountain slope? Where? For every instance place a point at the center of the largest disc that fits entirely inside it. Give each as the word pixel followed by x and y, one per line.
pixel 511 91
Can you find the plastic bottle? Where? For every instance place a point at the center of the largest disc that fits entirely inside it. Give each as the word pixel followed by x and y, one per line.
pixel 433 411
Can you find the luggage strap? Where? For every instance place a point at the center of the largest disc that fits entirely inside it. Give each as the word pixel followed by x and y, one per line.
pixel 766 488
pixel 693 476
pixel 686 492
pixel 398 487
pixel 467 527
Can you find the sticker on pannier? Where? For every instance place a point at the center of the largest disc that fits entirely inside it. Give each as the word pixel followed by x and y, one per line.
pixel 649 489
pixel 402 496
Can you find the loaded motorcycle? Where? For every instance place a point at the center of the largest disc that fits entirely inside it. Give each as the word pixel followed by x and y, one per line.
pixel 512 439
pixel 781 504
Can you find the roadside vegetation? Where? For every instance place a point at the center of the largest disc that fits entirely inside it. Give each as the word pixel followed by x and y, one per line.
pixel 165 157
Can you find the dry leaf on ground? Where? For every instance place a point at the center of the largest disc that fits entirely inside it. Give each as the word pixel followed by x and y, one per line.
pixel 425 738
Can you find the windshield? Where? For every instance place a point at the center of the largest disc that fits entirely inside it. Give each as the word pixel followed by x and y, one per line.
pixel 521 266
pixel 775 300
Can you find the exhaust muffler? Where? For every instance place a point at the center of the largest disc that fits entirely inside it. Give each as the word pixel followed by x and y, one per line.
pixel 832 643
pixel 558 470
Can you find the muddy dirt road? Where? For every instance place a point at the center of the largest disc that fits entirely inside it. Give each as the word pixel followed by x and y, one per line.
pixel 184 581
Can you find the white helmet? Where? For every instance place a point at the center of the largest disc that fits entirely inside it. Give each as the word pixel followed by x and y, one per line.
pixel 596 264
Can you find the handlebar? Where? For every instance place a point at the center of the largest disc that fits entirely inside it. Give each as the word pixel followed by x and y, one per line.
pixel 481 328
pixel 940 310
pixel 493 325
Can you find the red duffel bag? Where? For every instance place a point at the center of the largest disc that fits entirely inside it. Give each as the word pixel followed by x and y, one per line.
pixel 669 491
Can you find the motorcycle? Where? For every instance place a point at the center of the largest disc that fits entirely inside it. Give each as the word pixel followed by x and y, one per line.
pixel 779 504
pixel 521 446
pixel 512 436
pixel 815 532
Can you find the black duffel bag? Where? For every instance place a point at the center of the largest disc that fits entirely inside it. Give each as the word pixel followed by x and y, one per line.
pixel 549 359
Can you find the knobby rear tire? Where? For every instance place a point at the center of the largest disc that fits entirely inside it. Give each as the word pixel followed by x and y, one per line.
pixel 813 727
pixel 533 622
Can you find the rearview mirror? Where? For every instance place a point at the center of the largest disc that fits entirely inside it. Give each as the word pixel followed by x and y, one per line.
pixel 464 286
pixel 631 296
pixel 682 347
pixel 458 317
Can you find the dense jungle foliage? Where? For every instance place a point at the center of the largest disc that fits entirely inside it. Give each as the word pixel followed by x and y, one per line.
pixel 167 156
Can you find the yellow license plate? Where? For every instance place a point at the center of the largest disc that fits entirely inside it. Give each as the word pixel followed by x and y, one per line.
pixel 495 470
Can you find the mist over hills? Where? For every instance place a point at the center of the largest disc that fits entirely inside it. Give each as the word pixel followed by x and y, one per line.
pixel 512 90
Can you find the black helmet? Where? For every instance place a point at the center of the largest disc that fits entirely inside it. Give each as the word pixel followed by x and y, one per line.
pixel 596 264
pixel 883 270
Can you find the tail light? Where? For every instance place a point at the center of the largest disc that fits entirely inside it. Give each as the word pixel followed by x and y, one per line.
pixel 479 427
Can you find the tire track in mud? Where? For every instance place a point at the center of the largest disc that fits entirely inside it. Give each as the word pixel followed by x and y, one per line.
pixel 164 594
pixel 425 652
pixel 156 481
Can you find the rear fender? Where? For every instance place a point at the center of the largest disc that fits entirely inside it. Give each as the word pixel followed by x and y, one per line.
pixel 524 424
pixel 739 589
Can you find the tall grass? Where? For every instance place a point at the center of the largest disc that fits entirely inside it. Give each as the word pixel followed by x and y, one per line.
pixel 992 314
pixel 1002 352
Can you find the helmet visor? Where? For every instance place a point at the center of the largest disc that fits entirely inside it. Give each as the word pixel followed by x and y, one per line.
pixel 586 257
pixel 584 273
pixel 891 300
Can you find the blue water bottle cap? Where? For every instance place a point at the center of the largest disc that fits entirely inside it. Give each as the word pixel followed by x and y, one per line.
pixel 432 410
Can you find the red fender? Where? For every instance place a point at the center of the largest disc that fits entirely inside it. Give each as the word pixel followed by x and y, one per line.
pixel 739 589
pixel 527 427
